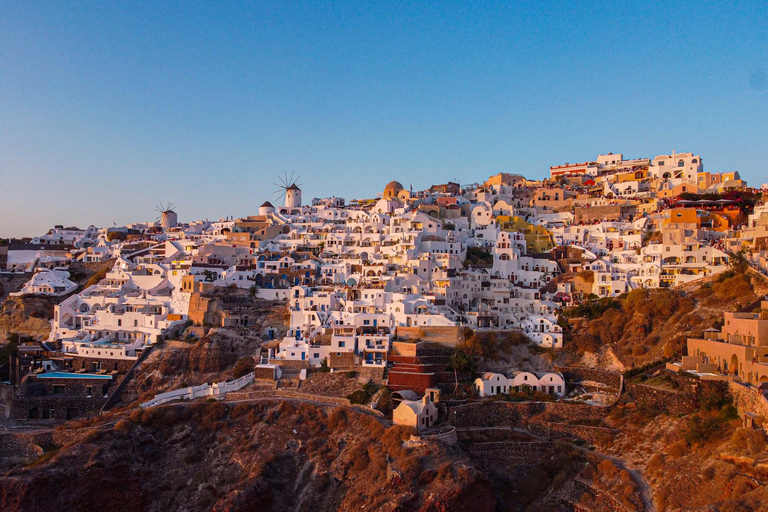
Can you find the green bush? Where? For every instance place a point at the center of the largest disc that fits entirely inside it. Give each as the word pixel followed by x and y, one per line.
pixel 370 388
pixel 358 397
pixel 592 309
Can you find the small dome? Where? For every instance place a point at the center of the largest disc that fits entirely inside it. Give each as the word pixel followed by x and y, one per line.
pixel 393 185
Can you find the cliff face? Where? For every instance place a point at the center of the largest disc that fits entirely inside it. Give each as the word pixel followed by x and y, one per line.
pixel 27 316
pixel 248 456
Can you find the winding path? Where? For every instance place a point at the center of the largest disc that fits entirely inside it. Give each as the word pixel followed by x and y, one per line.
pixel 644 489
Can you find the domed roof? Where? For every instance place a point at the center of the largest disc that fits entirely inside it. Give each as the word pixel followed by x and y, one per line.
pixel 393 185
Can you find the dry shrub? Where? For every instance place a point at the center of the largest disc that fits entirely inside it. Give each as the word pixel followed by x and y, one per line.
pixel 393 437
pixel 626 477
pixel 733 506
pixel 243 366
pixel 661 498
pixel 371 425
pixel 411 466
pixel 337 419
pixel 212 416
pixel 427 477
pixel 135 415
pixel 733 288
pixel 359 457
pixel 445 472
pixel 123 426
pixel 748 441
pixel 677 449
pixel 655 463
pixel 607 468
pixel 740 487
pixel 240 410
pixel 159 417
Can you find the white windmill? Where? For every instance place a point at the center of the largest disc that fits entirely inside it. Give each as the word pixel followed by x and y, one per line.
pixel 289 187
pixel 167 218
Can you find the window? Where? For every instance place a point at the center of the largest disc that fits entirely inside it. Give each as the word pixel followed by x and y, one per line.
pixel 58 389
pixel 119 323
pixel 88 391
pixel 342 344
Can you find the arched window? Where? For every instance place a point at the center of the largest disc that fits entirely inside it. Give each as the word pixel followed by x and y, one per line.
pixel 680 163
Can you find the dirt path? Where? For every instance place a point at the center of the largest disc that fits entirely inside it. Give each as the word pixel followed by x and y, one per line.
pixel 646 493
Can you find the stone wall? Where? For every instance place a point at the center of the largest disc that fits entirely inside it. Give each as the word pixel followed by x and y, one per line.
pixel 18 449
pixel 371 373
pixel 286 393
pixel 671 402
pixel 63 407
pixel 264 373
pixel 590 213
pixel 506 450
pixel 33 386
pixel 445 437
pixel 449 335
pixel 611 380
pixel 287 363
pixel 252 395
pixel 342 360
pixel 405 348
pixel 751 404
pixel 84 363
pixel 200 310
pixel 586 433
pixel 498 413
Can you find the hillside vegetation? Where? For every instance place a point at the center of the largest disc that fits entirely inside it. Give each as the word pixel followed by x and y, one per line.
pixel 266 455
pixel 648 325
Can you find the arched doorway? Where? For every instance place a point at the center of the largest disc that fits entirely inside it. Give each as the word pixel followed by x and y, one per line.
pixel 734 367
pixel 34 413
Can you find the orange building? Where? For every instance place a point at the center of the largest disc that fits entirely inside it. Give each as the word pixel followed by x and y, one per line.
pixel 694 218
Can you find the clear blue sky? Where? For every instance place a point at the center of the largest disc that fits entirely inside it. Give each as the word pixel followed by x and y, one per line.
pixel 107 109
